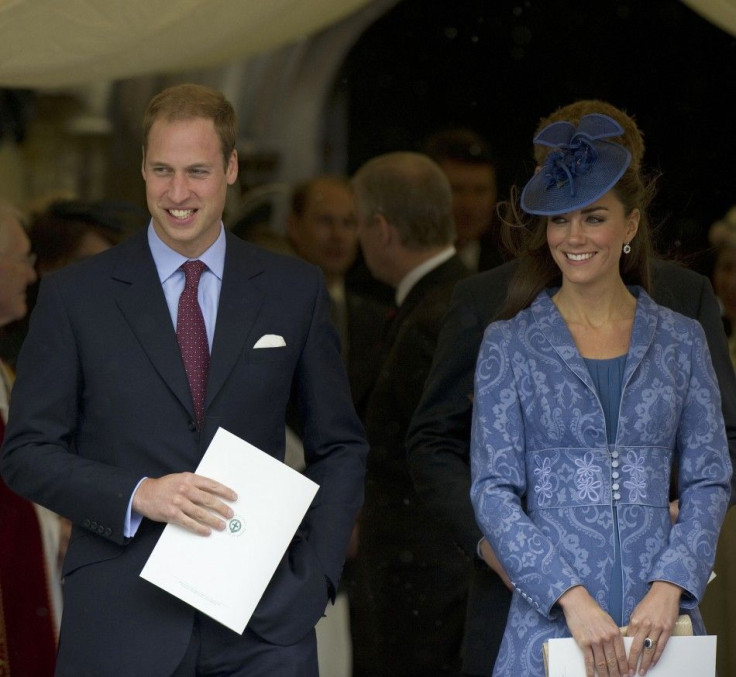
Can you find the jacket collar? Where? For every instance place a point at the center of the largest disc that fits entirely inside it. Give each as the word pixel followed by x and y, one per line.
pixel 553 326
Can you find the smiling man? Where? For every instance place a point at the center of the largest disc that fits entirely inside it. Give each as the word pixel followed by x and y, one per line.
pixel 134 359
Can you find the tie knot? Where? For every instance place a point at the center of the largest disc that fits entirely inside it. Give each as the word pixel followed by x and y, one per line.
pixel 193 271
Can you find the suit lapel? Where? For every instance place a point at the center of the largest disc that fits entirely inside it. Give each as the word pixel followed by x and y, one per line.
pixel 141 300
pixel 240 302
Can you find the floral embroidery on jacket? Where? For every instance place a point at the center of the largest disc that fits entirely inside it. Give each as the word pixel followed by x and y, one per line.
pixel 545 479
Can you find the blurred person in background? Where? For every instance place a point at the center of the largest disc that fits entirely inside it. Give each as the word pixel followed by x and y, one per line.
pixel 322 230
pixel 63 232
pixel 30 582
pixel 722 235
pixel 465 158
pixel 412 580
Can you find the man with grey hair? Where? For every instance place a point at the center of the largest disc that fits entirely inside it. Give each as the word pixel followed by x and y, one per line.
pixel 412 580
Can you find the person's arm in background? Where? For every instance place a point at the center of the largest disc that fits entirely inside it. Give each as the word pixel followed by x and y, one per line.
pixel 710 319
pixel 692 294
pixel 438 440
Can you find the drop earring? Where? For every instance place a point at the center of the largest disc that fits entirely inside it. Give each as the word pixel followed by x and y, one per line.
pixel 627 248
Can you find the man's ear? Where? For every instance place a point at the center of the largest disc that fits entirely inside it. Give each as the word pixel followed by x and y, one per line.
pixel 386 231
pixel 231 171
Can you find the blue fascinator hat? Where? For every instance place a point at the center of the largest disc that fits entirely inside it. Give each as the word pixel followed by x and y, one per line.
pixel 582 167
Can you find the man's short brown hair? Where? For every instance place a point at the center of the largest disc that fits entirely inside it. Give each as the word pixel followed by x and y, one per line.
pixel 189 101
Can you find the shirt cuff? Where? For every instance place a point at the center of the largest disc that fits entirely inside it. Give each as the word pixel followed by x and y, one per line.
pixel 132 519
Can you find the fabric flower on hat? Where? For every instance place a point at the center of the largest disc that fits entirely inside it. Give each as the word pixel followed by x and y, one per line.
pixel 581 169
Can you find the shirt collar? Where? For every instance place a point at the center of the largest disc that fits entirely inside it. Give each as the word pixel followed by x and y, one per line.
pixel 413 276
pixel 169 261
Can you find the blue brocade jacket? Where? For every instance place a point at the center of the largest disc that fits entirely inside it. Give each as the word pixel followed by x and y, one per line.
pixel 545 480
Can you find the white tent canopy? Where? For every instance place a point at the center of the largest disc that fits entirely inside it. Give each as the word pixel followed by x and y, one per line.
pixel 62 43
pixel 722 13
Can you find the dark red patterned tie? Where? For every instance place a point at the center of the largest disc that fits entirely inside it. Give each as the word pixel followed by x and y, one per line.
pixel 192 337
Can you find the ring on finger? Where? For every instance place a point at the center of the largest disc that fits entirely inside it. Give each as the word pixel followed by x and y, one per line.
pixel 649 643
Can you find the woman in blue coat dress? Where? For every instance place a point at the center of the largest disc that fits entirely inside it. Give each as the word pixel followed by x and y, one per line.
pixel 587 395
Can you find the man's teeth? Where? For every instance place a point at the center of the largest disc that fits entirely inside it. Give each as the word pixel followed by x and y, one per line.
pixel 579 257
pixel 181 213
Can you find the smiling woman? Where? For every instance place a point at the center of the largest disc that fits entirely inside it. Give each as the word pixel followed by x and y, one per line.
pixel 584 346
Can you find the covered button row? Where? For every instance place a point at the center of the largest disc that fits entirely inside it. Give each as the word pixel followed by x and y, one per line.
pixel 615 475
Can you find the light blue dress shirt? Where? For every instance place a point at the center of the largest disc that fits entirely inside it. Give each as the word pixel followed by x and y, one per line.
pixel 168 265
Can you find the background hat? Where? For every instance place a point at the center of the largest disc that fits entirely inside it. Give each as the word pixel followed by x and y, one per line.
pixel 582 168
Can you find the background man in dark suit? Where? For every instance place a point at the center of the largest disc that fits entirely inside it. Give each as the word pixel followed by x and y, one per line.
pixel 411 579
pixel 107 425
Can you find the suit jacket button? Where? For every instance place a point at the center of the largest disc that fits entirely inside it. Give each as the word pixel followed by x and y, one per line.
pixel 192 426
pixel 108 531
pixel 86 524
pixel 100 529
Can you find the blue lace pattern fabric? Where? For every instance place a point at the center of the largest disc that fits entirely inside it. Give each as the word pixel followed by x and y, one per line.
pixel 542 468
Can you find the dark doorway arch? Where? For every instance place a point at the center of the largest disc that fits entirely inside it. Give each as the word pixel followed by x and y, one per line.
pixel 498 66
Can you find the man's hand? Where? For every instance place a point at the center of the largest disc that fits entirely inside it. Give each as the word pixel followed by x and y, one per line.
pixel 186 499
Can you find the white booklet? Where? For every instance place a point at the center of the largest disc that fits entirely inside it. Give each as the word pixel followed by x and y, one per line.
pixel 225 574
pixel 683 656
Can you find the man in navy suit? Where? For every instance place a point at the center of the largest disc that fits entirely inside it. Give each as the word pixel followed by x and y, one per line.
pixel 104 428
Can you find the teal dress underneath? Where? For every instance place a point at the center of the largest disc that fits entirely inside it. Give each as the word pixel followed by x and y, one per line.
pixel 608 377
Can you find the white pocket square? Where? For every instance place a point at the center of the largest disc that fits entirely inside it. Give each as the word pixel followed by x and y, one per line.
pixel 270 341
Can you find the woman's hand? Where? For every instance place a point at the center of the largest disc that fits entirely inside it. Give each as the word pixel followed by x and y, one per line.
pixel 651 624
pixel 596 634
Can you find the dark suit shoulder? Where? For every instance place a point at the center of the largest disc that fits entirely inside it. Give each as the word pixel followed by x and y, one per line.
pixel 679 288
pixel 431 309
pixel 488 279
pixel 260 256
pixel 88 274
pixel 482 295
pixel 449 272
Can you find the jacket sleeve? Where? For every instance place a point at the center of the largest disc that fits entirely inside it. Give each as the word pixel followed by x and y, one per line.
pixel 709 316
pixel 335 448
pixel 498 471
pixel 39 453
pixel 704 478
pixel 438 439
pixel 335 452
